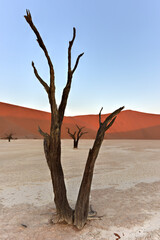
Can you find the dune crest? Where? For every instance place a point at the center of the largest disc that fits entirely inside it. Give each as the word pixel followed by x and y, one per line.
pixel 23 123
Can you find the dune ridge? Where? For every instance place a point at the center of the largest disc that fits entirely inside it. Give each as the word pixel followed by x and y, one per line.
pixel 23 123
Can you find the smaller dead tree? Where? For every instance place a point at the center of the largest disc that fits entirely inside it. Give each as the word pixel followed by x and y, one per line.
pixel 9 136
pixel 76 135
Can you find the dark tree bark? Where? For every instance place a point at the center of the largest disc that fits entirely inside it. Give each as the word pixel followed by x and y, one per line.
pixel 76 135
pixel 82 205
pixel 9 136
pixel 52 141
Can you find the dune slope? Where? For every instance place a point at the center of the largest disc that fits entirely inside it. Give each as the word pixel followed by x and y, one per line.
pixel 23 123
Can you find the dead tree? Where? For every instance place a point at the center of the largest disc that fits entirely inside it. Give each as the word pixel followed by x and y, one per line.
pixel 52 141
pixel 76 135
pixel 9 136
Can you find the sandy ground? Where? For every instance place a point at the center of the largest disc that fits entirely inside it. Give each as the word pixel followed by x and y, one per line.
pixel 125 190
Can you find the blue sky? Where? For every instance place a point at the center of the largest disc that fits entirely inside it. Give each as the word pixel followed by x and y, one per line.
pixel 121 64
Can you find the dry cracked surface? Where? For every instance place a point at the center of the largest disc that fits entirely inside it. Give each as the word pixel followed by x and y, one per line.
pixel 126 191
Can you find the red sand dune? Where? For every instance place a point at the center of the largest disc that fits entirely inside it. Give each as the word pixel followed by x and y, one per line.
pixel 24 122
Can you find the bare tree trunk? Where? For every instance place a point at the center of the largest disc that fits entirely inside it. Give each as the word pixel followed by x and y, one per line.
pixel 52 149
pixel 9 136
pixel 75 143
pixel 63 209
pixel 82 204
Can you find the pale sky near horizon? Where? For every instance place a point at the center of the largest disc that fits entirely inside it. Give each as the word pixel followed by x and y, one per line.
pixel 121 62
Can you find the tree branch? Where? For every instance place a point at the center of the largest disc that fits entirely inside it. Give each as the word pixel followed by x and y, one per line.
pixel 43 133
pixel 39 39
pixel 82 133
pixel 66 89
pixel 110 124
pixel 79 128
pixel 79 133
pixel 112 115
pixel 69 49
pixel 45 85
pixel 77 61
pixel 100 117
pixel 46 143
pixel 42 45
pixel 72 135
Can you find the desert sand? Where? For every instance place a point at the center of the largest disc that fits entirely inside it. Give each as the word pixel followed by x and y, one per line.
pixel 125 191
pixel 23 123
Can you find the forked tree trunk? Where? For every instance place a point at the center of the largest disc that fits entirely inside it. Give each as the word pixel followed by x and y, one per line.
pixel 52 142
pixel 82 204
